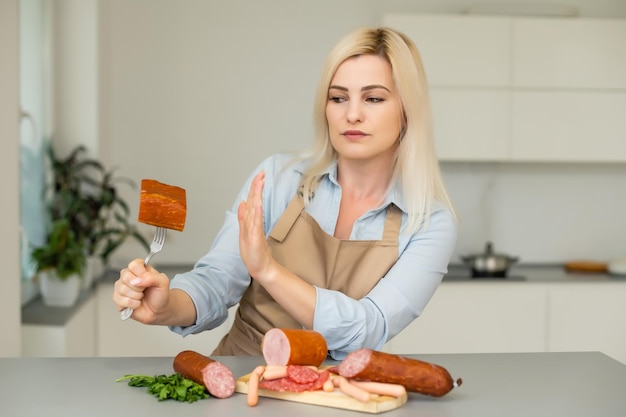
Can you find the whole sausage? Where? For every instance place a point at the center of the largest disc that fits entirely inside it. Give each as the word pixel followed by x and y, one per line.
pixel 415 375
pixel 294 347
pixel 215 376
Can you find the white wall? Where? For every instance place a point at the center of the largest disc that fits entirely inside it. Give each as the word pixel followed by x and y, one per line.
pixel 543 213
pixel 9 181
pixel 75 103
pixel 199 92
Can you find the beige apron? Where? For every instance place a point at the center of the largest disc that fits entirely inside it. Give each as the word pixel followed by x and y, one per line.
pixel 299 244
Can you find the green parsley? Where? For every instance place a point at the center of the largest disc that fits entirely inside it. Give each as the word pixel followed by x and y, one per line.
pixel 166 387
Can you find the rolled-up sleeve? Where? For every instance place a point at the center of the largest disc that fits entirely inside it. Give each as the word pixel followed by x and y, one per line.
pixel 216 282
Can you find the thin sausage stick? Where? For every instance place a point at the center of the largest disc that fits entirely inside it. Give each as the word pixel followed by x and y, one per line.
pixel 381 388
pixel 274 372
pixel 328 386
pixel 253 386
pixel 353 391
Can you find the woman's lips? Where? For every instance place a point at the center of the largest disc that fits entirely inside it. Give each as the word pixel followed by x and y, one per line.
pixel 354 134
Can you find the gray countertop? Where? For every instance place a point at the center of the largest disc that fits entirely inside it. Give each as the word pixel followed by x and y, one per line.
pixel 578 384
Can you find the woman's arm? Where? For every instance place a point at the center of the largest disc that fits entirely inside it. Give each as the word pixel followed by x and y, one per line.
pixel 295 295
pixel 396 300
pixel 220 277
pixel 392 304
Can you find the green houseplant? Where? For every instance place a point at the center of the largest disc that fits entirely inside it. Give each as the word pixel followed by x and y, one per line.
pixel 62 252
pixel 84 202
pixel 60 265
pixel 89 196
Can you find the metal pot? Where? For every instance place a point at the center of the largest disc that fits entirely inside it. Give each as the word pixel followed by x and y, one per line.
pixel 489 264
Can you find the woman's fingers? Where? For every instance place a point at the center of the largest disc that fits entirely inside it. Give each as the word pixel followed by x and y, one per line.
pixel 252 244
pixel 253 207
pixel 133 283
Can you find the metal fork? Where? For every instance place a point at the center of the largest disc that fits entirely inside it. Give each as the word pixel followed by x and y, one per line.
pixel 155 247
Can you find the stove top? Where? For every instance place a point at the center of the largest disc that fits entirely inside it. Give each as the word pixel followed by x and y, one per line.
pixel 468 277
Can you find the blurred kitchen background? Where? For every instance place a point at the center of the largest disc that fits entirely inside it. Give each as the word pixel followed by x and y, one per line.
pixel 196 93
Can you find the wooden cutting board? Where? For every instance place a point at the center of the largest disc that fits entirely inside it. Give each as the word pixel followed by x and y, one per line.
pixel 336 399
pixel 582 266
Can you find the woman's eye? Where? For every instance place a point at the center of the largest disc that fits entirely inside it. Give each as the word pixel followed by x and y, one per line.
pixel 375 99
pixel 337 99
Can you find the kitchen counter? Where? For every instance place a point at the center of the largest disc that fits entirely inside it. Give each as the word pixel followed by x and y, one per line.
pixel 532 273
pixel 578 384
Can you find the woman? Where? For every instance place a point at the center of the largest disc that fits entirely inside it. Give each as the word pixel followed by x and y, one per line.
pixel 351 239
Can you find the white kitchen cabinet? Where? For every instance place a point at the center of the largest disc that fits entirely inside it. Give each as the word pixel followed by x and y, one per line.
pixel 569 53
pixel 75 338
pixel 523 89
pixel 569 126
pixel 460 50
pixel 589 317
pixel 471 124
pixel 130 338
pixel 473 317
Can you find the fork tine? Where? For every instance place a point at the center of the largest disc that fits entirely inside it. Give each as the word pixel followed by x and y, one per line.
pixel 161 233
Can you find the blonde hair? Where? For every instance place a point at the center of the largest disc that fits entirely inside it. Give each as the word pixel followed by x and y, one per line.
pixel 416 168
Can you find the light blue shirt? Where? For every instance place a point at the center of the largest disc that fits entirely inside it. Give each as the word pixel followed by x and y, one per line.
pixel 219 279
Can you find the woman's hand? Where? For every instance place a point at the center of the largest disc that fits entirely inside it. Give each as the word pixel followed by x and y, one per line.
pixel 253 247
pixel 295 295
pixel 143 289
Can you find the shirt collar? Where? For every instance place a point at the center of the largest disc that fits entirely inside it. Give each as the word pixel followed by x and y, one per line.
pixel 393 197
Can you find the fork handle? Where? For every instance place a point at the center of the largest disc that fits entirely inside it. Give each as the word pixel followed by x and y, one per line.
pixel 127 312
pixel 147 260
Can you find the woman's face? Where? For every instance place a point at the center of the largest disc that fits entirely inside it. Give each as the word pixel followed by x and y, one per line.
pixel 364 109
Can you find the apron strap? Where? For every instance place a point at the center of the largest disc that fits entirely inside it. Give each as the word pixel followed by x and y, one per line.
pixel 288 219
pixel 393 222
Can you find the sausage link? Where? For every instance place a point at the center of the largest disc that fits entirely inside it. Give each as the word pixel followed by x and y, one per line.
pixel 352 390
pixel 253 386
pixel 294 347
pixel 380 388
pixel 328 386
pixel 415 375
pixel 274 372
pixel 215 376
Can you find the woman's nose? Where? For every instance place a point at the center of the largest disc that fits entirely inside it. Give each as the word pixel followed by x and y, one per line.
pixel 355 112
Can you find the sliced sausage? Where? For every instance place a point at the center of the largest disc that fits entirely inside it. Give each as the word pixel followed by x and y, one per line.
pixel 415 375
pixel 287 384
pixel 215 376
pixel 302 374
pixel 294 347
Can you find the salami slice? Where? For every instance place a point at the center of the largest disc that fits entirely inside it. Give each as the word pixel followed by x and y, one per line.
pixel 291 385
pixel 302 374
